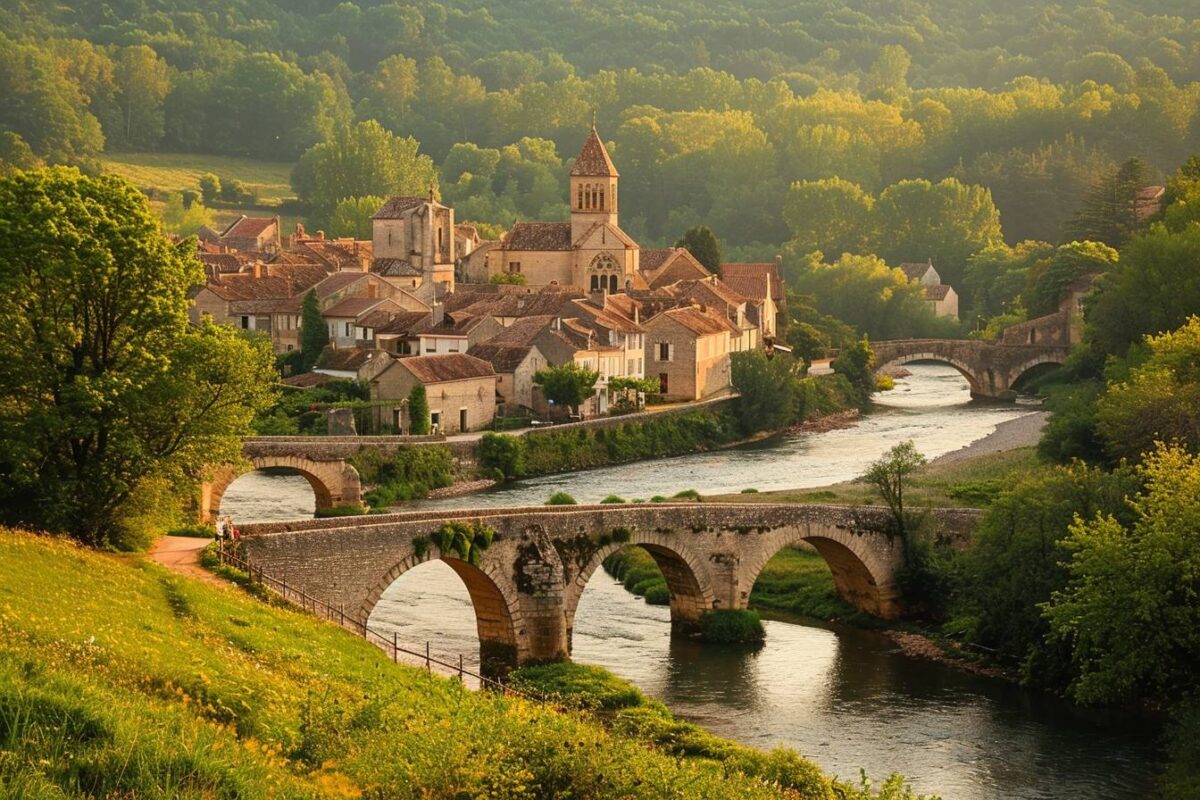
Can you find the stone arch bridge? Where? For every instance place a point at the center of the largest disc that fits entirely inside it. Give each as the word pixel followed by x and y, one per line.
pixel 526 586
pixel 991 369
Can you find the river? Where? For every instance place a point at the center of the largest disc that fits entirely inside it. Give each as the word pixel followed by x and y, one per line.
pixel 844 697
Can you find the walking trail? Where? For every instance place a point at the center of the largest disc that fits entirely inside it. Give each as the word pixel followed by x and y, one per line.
pixel 182 554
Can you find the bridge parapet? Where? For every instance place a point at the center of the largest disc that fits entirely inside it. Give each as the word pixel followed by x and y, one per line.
pixel 991 369
pixel 527 584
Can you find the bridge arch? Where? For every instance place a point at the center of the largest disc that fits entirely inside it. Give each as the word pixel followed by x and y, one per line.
pixel 493 599
pixel 1021 370
pixel 333 482
pixel 863 573
pixel 686 573
pixel 979 384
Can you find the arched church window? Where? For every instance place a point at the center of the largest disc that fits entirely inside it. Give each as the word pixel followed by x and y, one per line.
pixel 595 283
pixel 601 206
pixel 612 284
pixel 580 204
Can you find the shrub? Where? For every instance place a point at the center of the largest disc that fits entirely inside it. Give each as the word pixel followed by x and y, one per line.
pixel 561 499
pixel 658 594
pixel 687 494
pixel 408 473
pixel 732 626
pixel 750 490
pixel 658 498
pixel 197 531
pixel 577 685
pixel 340 511
pixel 612 498
pixel 504 453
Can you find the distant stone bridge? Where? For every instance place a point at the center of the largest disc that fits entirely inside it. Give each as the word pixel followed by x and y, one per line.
pixel 991 369
pixel 525 587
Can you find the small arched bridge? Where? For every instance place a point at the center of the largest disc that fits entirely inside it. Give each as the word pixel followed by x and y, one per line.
pixel 991 369
pixel 526 586
pixel 333 479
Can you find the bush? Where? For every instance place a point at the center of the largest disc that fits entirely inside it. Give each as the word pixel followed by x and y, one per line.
pixel 658 594
pixel 732 626
pixel 750 490
pixel 408 473
pixel 612 498
pixel 561 499
pixel 687 494
pixel 340 511
pixel 577 685
pixel 658 498
pixel 197 531
pixel 504 453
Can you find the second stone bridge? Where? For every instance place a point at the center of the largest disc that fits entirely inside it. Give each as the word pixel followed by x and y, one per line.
pixel 526 585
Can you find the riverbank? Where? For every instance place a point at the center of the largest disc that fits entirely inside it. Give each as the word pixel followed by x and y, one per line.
pixel 251 700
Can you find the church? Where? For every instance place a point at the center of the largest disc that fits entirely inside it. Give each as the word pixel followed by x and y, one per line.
pixel 591 251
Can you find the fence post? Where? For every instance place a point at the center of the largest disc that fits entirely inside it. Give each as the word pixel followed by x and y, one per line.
pixel 428 665
pixel 395 648
pixel 342 614
pixel 460 669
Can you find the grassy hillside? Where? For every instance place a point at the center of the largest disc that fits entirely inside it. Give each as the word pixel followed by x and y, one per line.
pixel 118 679
pixel 173 172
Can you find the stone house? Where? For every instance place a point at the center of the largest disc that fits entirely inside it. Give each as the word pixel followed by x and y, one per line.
pixel 266 298
pixel 688 351
pixel 251 234
pixel 353 320
pixel 943 300
pixel 456 333
pixel 713 295
pixel 401 334
pixel 760 305
pixel 773 270
pixel 460 388
pixel 665 266
pixel 413 241
pixel 515 366
pixel 606 327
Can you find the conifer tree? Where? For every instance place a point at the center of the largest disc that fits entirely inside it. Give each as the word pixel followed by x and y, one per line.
pixel 418 411
pixel 314 336
pixel 1110 210
pixel 702 243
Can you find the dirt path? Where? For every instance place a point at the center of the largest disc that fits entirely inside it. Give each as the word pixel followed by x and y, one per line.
pixel 182 554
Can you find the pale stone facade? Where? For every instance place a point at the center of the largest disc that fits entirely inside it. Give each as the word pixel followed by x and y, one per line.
pixel 460 389
pixel 413 239
pixel 688 352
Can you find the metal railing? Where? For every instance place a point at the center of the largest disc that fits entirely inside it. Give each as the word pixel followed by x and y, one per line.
pixel 390 644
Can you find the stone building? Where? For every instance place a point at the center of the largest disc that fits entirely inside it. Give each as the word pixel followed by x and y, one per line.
pixel 251 234
pixel 687 350
pixel 413 241
pixel 941 297
pixel 590 251
pixel 460 388
pixel 515 366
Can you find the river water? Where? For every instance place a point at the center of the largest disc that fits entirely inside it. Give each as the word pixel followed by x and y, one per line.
pixel 844 697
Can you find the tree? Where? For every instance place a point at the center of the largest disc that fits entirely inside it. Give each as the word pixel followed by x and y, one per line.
pixel 1160 400
pixel 314 335
pixel 890 474
pixel 702 243
pixel 855 362
pixel 766 389
pixel 1110 208
pixel 183 219
pixel 946 221
pixel 418 411
pixel 15 153
pixel 830 215
pixel 1049 278
pixel 566 385
pixel 210 188
pixel 364 160
pixel 107 388
pixel 352 217
pixel 142 85
pixel 1129 613
pixel 508 278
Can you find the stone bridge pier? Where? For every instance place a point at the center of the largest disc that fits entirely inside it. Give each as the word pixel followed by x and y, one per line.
pixel 333 480
pixel 526 586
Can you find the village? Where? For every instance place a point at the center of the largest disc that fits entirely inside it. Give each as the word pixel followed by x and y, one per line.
pixel 428 302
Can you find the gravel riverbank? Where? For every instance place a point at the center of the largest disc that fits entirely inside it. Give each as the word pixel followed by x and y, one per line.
pixel 1010 435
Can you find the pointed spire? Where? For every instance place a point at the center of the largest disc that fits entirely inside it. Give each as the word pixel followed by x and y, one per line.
pixel 593 160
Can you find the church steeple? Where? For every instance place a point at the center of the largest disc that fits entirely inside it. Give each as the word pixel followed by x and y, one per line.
pixel 593 195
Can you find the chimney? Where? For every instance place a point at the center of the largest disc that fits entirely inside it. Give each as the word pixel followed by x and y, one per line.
pixel 439 313
pixel 597 298
pixel 637 315
pixel 257 269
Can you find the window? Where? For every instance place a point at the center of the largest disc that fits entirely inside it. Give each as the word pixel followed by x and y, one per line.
pixel 349 329
pixel 612 284
pixel 662 383
pixel 579 204
pixel 289 348
pixel 462 419
pixel 245 323
pixel 601 206
pixel 514 266
pixel 664 351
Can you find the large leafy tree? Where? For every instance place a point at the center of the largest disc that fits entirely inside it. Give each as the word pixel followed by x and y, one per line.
pixel 142 84
pixel 105 385
pixel 352 216
pixel 359 161
pixel 702 243
pixel 1110 208
pixel 831 215
pixel 765 388
pixel 566 385
pixel 1049 278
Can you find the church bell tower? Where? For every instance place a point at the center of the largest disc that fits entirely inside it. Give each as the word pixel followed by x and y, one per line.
pixel 593 187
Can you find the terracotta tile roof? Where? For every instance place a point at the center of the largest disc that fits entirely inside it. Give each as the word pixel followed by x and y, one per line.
pixel 938 292
pixel 466 230
pixel 265 306
pixel 539 236
pixel 307 379
pixel 338 254
pixel 622 304
pixel 352 307
pixel 247 227
pixel 755 288
pixel 207 234
pixel 394 268
pixel 611 319
pixel 458 324
pixel 223 262
pixel 502 357
pixel 291 257
pixel 336 282
pixel 395 207
pixel 523 331
pixel 347 359
pixel 768 268
pixel 697 321
pixel 375 318
pixel 915 270
pixel 244 286
pixel 651 258
pixel 523 305
pixel 447 367
pixel 406 322
pixel 593 160
pixel 707 292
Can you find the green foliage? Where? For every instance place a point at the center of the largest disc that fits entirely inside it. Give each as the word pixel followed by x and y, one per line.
pixel 196 531
pixel 566 385
pixel 352 216
pixel 561 499
pixel 577 686
pixel 639 574
pixel 765 387
pixel 183 219
pixel 1049 278
pixel 108 385
pixel 732 626
pixel 890 475
pixel 465 541
pixel 501 452
pixel 1110 208
pixel 302 412
pixel 210 188
pixel 687 494
pixel 1128 614
pixel 702 243
pixel 799 582
pixel 855 364
pixel 408 473
pixel 314 336
pixel 339 511
pixel 508 278
pixel 1015 563
pixel 365 160
pixel 613 499
pixel 829 216
pixel 418 411
pixel 1182 779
